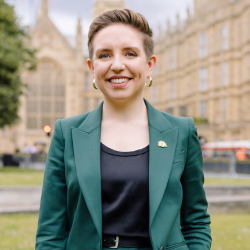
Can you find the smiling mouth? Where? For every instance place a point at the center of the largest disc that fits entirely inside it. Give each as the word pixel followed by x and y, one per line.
pixel 120 80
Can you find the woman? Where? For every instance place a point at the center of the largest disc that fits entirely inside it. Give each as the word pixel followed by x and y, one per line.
pixel 124 175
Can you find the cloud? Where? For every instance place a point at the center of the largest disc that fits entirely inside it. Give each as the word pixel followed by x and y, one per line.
pixel 65 13
pixel 158 11
pixel 66 23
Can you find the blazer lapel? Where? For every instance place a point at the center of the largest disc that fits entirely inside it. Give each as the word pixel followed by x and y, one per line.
pixel 86 144
pixel 160 159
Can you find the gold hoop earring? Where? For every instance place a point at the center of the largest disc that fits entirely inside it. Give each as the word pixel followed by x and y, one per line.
pixel 94 84
pixel 150 83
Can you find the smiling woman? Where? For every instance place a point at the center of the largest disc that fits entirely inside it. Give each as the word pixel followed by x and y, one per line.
pixel 119 63
pixel 124 174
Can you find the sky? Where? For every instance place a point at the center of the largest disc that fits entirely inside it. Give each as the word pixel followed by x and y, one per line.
pixel 64 13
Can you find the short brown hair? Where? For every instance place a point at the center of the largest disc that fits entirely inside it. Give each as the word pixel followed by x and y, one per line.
pixel 124 16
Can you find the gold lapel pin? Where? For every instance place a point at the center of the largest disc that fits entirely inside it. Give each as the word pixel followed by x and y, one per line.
pixel 162 144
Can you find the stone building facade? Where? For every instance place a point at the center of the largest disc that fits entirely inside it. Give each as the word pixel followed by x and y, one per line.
pixel 203 71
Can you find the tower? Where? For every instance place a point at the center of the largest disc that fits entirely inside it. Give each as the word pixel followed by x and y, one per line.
pixel 105 5
pixel 44 9
pixel 79 39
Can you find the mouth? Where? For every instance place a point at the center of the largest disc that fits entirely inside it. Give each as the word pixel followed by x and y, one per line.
pixel 119 80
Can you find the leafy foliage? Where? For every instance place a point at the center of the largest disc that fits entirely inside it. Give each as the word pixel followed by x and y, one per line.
pixel 15 56
pixel 200 120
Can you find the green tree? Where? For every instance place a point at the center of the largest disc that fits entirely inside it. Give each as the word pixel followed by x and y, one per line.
pixel 15 56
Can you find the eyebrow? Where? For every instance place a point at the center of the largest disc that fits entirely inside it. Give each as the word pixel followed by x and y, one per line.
pixel 126 48
pixel 132 48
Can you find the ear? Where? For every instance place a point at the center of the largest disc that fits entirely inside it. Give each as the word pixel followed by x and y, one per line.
pixel 90 65
pixel 151 65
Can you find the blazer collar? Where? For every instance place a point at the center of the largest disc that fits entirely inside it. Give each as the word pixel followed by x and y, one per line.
pixel 155 119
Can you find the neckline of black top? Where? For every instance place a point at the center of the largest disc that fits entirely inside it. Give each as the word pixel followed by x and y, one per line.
pixel 127 153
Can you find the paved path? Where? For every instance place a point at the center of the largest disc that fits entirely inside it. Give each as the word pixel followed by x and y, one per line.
pixel 16 199
pixel 26 208
pixel 231 198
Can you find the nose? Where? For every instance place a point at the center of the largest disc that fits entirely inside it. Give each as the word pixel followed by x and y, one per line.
pixel 117 65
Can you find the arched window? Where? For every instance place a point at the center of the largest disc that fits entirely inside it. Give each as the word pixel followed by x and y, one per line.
pixel 46 95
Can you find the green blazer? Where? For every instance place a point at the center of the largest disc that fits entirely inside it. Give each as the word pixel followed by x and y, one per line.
pixel 70 215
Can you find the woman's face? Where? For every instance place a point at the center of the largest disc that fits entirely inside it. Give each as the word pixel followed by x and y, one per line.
pixel 119 64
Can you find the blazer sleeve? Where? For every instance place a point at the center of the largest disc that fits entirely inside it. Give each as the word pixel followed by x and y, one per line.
pixel 52 230
pixel 195 221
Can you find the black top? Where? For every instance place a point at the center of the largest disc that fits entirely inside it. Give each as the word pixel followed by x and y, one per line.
pixel 125 192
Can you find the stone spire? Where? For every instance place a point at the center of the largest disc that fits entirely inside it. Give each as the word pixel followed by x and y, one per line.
pixel 79 41
pixel 101 6
pixel 79 27
pixel 44 8
pixel 168 27
pixel 159 33
pixel 177 22
pixel 188 13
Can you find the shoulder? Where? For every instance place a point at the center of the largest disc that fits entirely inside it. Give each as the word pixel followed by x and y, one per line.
pixel 67 123
pixel 186 127
pixel 178 121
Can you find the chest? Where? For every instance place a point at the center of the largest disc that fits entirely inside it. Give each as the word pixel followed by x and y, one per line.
pixel 124 137
pixel 124 167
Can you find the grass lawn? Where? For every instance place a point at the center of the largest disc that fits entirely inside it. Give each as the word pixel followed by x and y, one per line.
pixel 229 231
pixel 226 181
pixel 12 176
pixel 17 232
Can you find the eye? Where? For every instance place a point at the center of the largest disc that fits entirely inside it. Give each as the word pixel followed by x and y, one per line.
pixel 105 56
pixel 131 54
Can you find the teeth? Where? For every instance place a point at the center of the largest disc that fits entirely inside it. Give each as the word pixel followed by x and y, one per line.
pixel 119 80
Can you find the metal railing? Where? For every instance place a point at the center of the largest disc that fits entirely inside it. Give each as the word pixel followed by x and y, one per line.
pixel 226 163
pixel 215 162
pixel 33 161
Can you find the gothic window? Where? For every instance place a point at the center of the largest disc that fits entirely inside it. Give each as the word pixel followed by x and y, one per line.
pixel 202 44
pixel 203 79
pixel 59 107
pixel 172 89
pixel 59 90
pixel 45 90
pixel 97 102
pixel 172 59
pixel 224 108
pixel 32 106
pixel 189 84
pixel 247 104
pixel 59 87
pixel 224 35
pixel 46 95
pixel 46 120
pixel 183 111
pixel 87 81
pixel 170 111
pixel 187 51
pixel 224 74
pixel 32 122
pixel 87 104
pixel 32 90
pixel 155 93
pixel 203 109
pixel 45 107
